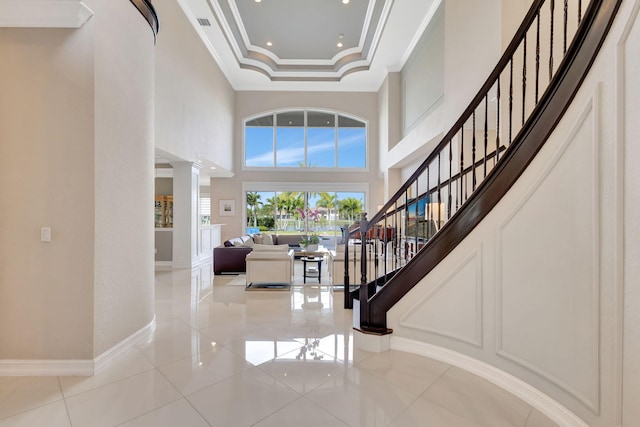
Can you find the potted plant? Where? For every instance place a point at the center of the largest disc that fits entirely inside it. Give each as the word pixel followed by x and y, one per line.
pixel 312 239
pixel 310 242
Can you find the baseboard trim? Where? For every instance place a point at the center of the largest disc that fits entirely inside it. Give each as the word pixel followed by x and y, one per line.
pixel 42 368
pixel 138 337
pixel 543 403
pixel 164 265
pixel 73 367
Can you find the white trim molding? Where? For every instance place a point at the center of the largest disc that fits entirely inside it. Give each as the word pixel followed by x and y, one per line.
pixel 474 257
pixel 72 367
pixel 40 368
pixel 534 397
pixel 44 14
pixel 142 335
pixel 590 110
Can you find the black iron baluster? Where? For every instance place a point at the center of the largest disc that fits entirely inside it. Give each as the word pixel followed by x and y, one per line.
pixel 417 202
pixel 385 243
pixel 553 6
pixel 473 154
pixel 406 225
pixel 459 180
pixel 466 192
pixel 579 11
pixel 428 211
pixel 364 288
pixel 510 99
pixel 524 75
pixel 537 55
pixel 439 194
pixel 394 238
pixel 498 122
pixel 348 300
pixel 450 176
pixel 566 16
pixel 376 253
pixel 486 132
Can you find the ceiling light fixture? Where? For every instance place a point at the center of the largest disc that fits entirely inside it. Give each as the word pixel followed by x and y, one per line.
pixel 339 44
pixel 343 1
pixel 258 1
pixel 269 44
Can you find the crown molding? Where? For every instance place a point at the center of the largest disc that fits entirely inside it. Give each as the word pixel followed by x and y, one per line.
pixel 44 13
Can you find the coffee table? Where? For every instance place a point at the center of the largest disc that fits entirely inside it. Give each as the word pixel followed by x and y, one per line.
pixel 312 271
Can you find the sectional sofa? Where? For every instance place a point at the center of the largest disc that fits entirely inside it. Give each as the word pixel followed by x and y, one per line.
pixel 230 257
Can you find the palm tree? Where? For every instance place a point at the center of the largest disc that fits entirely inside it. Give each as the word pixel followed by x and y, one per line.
pixel 253 203
pixel 350 207
pixel 288 202
pixel 328 201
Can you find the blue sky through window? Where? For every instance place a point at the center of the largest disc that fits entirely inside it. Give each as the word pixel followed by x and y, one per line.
pixel 319 145
pixel 259 146
pixel 289 146
pixel 352 147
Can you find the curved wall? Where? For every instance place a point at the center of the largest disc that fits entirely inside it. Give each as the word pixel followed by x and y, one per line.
pixel 124 154
pixel 538 289
pixel 76 137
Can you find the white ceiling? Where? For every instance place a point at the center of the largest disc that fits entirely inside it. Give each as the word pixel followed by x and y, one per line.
pixel 377 37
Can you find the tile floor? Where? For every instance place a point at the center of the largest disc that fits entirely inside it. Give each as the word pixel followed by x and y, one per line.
pixel 223 356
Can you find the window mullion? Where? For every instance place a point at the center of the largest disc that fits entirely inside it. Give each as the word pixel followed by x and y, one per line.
pixel 306 130
pixel 275 141
pixel 335 128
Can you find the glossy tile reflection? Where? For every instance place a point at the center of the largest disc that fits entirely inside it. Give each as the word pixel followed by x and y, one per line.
pixel 223 356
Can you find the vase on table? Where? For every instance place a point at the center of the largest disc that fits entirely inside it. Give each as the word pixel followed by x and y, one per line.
pixel 310 248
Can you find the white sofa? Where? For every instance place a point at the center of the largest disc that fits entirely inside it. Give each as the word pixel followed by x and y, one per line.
pixel 270 264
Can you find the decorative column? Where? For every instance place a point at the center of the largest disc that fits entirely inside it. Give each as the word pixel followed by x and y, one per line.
pixel 185 214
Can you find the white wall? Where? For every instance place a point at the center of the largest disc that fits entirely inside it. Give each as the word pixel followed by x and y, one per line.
pixel 124 76
pixel 628 271
pixel 46 143
pixel 194 101
pixel 538 288
pixel 422 76
pixel 465 68
pixel 363 105
pixel 81 164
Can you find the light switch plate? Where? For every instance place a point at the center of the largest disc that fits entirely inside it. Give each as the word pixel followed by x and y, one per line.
pixel 45 234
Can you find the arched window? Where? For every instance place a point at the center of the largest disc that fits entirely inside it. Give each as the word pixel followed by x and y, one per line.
pixel 305 139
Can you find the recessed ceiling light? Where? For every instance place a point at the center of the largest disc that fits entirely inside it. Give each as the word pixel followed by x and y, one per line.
pixel 269 44
pixel 340 36
pixel 343 1
pixel 213 167
pixel 258 1
pixel 339 44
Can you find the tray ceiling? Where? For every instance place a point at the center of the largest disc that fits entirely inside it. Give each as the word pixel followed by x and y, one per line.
pixel 309 44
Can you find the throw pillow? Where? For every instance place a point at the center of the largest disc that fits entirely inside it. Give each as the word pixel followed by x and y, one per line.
pixel 267 239
pixel 258 238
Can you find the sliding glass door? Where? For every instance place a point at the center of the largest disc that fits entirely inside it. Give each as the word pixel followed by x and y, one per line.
pixel 303 212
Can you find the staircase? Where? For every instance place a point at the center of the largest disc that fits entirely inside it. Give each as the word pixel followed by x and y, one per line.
pixel 478 160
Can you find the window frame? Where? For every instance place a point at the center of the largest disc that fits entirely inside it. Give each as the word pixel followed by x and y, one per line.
pixel 337 187
pixel 305 169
